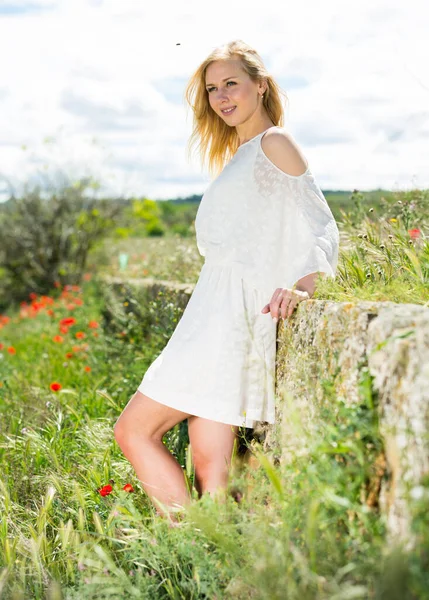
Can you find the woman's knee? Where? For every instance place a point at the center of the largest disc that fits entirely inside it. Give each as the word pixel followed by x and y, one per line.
pixel 144 419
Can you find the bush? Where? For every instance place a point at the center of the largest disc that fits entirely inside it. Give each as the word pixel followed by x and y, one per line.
pixel 46 240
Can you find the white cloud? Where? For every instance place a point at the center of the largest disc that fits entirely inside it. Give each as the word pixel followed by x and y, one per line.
pixel 104 82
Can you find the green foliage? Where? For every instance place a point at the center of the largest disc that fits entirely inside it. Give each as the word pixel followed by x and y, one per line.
pixel 155 228
pixel 145 209
pixel 47 239
pixel 306 527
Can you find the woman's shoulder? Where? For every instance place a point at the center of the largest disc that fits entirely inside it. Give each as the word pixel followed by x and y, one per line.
pixel 282 150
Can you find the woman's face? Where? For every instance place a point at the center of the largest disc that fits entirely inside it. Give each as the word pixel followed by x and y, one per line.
pixel 229 86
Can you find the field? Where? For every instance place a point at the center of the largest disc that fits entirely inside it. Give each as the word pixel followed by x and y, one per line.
pixel 295 530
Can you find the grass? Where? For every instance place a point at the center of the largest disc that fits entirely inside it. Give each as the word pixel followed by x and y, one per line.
pixel 306 527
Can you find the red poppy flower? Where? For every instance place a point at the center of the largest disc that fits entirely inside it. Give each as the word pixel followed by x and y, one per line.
pixel 93 324
pixel 87 369
pixel 11 350
pixel 105 490
pixel 414 233
pixel 68 321
pixel 80 334
pixel 55 386
pixel 32 295
pixel 58 338
pixel 128 487
pixel 1 346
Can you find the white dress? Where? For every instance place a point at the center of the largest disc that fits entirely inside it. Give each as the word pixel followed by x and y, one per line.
pixel 258 229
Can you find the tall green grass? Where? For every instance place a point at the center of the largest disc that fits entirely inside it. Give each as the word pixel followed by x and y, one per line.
pixel 308 526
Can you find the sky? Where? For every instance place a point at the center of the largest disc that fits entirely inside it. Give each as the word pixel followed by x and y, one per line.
pixel 96 88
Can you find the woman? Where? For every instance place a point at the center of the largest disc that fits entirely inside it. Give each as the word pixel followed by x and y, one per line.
pixel 266 232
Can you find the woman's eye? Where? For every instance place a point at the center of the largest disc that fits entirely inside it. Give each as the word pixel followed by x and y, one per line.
pixel 210 89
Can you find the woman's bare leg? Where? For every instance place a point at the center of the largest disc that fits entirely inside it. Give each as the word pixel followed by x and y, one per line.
pixel 139 432
pixel 212 444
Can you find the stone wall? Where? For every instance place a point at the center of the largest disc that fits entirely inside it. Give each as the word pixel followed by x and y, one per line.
pixel 377 348
pixel 339 343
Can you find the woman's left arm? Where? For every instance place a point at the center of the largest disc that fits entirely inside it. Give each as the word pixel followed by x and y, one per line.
pixel 310 247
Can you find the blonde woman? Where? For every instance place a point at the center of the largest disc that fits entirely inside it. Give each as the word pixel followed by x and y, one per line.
pixel 266 232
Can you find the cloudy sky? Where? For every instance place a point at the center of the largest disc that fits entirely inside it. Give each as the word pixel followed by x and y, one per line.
pixel 95 87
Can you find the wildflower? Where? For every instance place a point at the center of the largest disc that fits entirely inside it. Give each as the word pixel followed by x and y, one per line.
pixel 79 334
pixel 1 346
pixel 48 404
pixel 58 338
pixel 368 275
pixel 399 201
pixel 93 324
pixel 32 295
pixel 24 430
pixel 365 235
pixel 382 246
pixel 55 386
pixel 68 321
pixel 87 369
pixel 69 355
pixel 87 276
pixel 393 220
pixel 128 487
pixel 64 329
pixel 11 350
pixel 410 242
pixel 414 233
pixel 371 210
pixel 105 490
pixel 78 301
pixel 390 236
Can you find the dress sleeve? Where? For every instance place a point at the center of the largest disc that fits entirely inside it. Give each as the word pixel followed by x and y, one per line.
pixel 298 232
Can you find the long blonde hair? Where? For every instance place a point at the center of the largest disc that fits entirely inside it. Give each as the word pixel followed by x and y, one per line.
pixel 216 138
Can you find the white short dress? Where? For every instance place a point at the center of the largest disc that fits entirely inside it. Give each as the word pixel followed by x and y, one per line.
pixel 259 229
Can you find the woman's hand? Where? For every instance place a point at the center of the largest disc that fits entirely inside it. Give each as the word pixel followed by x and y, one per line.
pixel 283 302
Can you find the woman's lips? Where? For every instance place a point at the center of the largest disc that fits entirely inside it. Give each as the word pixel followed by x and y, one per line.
pixel 229 113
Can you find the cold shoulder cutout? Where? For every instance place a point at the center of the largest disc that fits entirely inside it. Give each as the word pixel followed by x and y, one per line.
pixel 295 148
